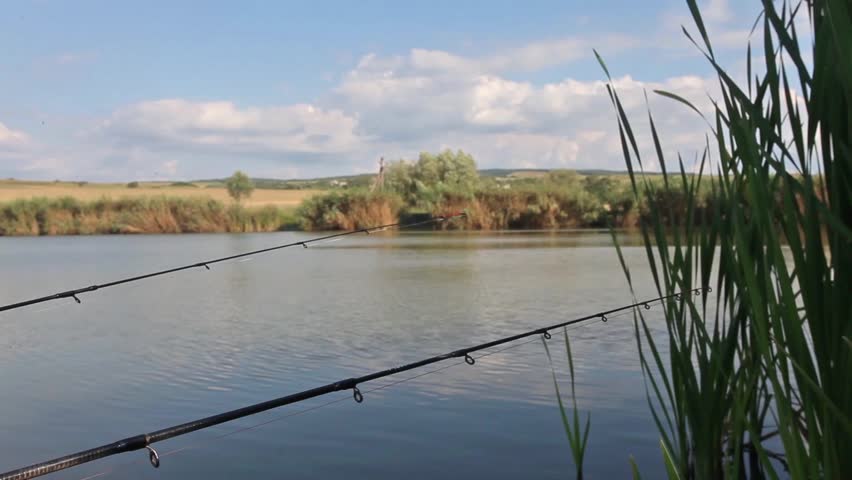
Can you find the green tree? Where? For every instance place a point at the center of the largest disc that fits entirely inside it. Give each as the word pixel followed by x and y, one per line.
pixel 422 183
pixel 602 187
pixel 566 179
pixel 399 178
pixel 239 186
pixel 447 170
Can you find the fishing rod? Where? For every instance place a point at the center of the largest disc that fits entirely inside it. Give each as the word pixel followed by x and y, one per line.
pixel 206 264
pixel 144 441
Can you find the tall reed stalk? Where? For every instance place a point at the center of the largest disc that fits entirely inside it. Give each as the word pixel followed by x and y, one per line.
pixel 755 379
pixel 578 437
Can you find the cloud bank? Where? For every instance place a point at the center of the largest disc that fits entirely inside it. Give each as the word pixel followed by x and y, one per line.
pixel 494 105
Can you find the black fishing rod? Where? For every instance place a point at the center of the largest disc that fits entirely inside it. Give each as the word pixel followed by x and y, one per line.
pixel 206 264
pixel 145 441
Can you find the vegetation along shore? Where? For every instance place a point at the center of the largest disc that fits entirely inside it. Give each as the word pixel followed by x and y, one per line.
pixel 434 184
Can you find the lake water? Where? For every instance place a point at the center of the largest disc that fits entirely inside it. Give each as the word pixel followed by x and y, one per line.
pixel 140 357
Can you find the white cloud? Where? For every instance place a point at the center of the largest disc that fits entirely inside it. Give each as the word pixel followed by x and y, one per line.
pixel 526 58
pixel 716 11
pixel 395 106
pixel 12 139
pixel 407 101
pixel 22 157
pixel 170 167
pixel 223 127
pixel 399 105
pixel 497 102
pixel 539 55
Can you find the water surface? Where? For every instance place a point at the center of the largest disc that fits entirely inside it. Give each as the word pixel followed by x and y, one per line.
pixel 140 357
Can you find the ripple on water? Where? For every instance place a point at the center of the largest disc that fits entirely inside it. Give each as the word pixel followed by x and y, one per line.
pixel 162 352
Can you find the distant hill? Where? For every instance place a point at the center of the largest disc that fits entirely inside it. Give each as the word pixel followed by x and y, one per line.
pixel 365 179
pixel 302 184
pixel 510 172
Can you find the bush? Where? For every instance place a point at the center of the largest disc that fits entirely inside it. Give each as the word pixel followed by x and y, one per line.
pixel 422 183
pixel 68 216
pixel 349 210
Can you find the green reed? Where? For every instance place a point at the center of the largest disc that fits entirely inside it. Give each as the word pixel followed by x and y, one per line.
pixel 755 379
pixel 578 436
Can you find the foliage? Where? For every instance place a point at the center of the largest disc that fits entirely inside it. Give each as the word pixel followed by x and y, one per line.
pixel 529 208
pixel 447 183
pixel 425 181
pixel 133 185
pixel 239 186
pixel 349 210
pixel 446 171
pixel 769 362
pixel 567 179
pixel 399 178
pixel 68 216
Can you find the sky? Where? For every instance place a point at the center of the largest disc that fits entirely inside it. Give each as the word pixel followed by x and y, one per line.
pixel 180 90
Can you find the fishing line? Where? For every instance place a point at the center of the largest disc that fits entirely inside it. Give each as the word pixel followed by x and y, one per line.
pixel 258 425
pixel 74 293
pixel 280 418
pixel 334 402
pixel 144 441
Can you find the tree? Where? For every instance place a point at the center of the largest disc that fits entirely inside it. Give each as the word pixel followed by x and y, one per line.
pixel 431 176
pixel 603 187
pixel 239 186
pixel 567 179
pixel 399 178
pixel 447 170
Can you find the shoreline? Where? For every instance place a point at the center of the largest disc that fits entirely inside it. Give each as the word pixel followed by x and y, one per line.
pixel 457 231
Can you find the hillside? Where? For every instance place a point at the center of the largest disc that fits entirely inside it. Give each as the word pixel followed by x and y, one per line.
pixel 365 179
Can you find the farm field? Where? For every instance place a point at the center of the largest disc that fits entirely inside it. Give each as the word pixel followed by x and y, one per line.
pixel 11 190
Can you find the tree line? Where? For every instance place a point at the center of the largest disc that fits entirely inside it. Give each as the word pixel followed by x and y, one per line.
pixel 448 181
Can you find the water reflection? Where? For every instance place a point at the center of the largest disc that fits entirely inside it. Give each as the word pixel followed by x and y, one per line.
pixel 137 358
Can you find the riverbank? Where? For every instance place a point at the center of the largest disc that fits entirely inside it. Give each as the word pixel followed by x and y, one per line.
pixel 555 200
pixel 345 210
pixel 69 216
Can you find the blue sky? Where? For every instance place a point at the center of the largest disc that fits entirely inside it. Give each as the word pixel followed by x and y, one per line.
pixel 103 90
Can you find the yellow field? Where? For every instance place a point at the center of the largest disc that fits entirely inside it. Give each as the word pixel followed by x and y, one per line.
pixel 13 190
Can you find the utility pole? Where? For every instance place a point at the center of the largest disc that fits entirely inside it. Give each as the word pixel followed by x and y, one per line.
pixel 379 182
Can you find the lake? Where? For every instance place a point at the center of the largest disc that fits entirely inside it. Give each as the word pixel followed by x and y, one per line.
pixel 136 358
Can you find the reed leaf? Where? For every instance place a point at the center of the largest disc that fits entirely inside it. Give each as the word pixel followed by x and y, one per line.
pixel 769 361
pixel 578 436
